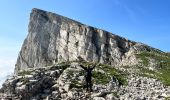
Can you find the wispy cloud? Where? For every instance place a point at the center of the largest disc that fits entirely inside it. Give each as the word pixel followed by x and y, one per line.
pixel 8 55
pixel 132 11
pixel 6 68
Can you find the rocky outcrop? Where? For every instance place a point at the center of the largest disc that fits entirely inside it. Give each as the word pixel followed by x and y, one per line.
pixel 66 82
pixel 53 38
pixel 48 65
pixel 57 82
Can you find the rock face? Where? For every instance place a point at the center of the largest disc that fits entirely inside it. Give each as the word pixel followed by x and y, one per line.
pixel 48 66
pixel 53 38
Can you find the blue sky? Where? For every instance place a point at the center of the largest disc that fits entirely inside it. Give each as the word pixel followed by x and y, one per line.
pixel 146 21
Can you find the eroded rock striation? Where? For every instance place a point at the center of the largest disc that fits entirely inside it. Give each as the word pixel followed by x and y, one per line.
pixel 53 38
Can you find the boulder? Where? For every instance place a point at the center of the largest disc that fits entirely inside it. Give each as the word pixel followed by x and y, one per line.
pixel 98 98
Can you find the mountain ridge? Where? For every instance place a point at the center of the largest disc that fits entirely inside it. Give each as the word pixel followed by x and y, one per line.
pixel 48 65
pixel 54 38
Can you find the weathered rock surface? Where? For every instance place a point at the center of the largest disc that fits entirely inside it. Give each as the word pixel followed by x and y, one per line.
pixel 53 38
pixel 68 84
pixel 48 64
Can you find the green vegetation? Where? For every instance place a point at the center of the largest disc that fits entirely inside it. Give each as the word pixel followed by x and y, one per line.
pixel 109 72
pixel 76 84
pixel 115 94
pixel 143 56
pixel 167 98
pixel 168 54
pixel 88 63
pixel 100 78
pixel 24 80
pixel 70 74
pixel 25 72
pixel 145 72
pixel 64 65
pixel 162 71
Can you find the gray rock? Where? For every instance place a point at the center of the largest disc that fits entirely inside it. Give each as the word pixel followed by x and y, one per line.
pixel 66 87
pixel 53 38
pixel 111 97
pixel 54 74
pixel 98 98
pixel 100 94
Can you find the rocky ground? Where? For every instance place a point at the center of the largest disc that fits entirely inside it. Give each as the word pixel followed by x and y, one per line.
pixel 65 81
pixel 128 71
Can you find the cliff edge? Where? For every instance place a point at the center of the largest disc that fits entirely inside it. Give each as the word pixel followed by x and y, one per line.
pixel 48 65
pixel 53 38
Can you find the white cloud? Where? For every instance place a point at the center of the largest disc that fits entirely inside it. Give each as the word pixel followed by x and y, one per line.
pixel 6 68
pixel 8 55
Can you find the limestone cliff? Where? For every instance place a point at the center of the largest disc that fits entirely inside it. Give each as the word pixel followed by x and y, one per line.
pixel 48 67
pixel 53 38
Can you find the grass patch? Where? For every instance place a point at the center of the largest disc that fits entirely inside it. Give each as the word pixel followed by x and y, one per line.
pixel 167 98
pixel 121 77
pixel 168 54
pixel 76 84
pixel 109 72
pixel 162 65
pixel 143 57
pixel 24 80
pixel 70 74
pixel 25 72
pixel 64 65
pixel 145 72
pixel 85 64
pixel 165 77
pixel 115 94
pixel 100 78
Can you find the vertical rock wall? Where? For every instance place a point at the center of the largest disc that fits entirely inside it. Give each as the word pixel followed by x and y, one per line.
pixel 53 38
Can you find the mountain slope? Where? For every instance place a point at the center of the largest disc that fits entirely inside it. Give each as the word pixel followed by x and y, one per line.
pixel 53 38
pixel 48 65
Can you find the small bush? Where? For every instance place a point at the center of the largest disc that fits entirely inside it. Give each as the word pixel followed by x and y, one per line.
pixel 100 78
